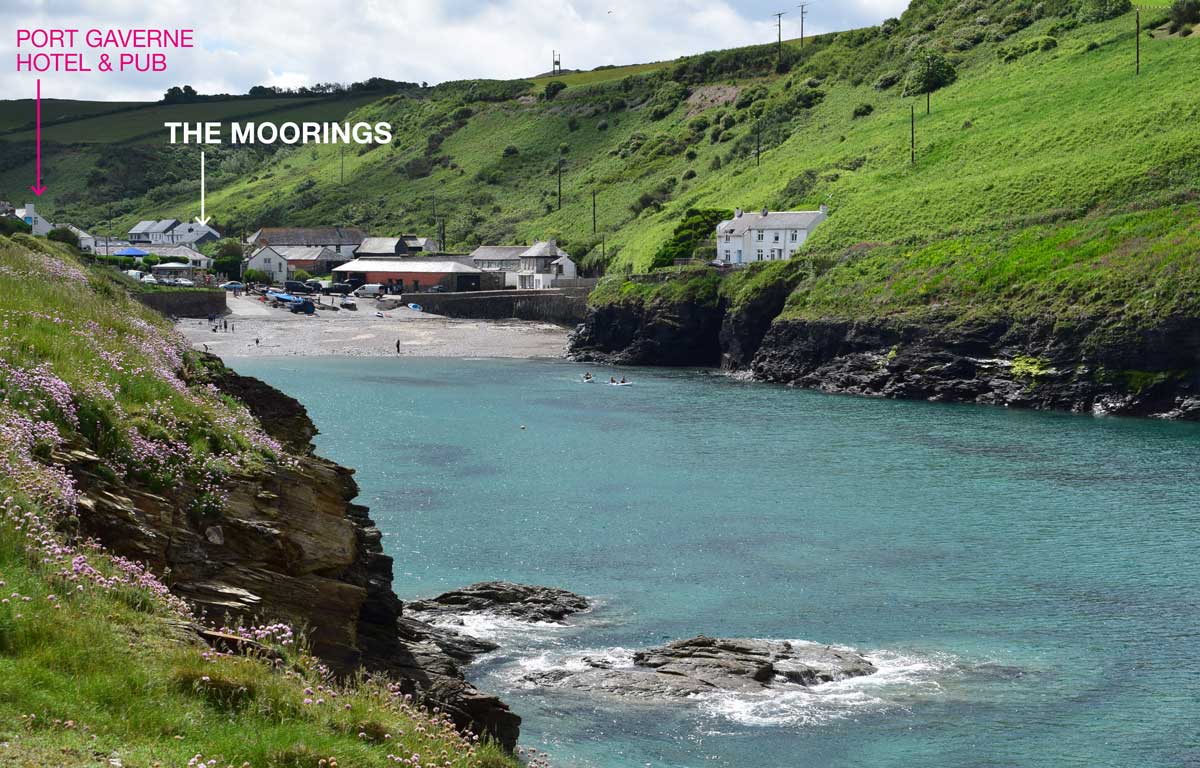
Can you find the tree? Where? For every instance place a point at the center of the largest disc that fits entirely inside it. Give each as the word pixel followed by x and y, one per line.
pixel 301 275
pixel 63 235
pixel 698 225
pixel 553 88
pixel 1184 12
pixel 930 70
pixel 256 276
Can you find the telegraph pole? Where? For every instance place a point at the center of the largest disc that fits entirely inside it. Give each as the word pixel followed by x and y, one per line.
pixel 913 135
pixel 758 145
pixel 803 12
pixel 343 155
pixel 593 211
pixel 560 163
pixel 1137 35
pixel 779 34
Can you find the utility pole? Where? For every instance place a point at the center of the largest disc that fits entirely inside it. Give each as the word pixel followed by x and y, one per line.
pixel 803 12
pixel 779 34
pixel 441 222
pixel 343 154
pixel 604 247
pixel 560 164
pixel 758 145
pixel 927 102
pixel 913 135
pixel 593 211
pixel 556 63
pixel 1137 35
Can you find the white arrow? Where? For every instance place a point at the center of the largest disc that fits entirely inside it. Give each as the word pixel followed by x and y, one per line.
pixel 202 219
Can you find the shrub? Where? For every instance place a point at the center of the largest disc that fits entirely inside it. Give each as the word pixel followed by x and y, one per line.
pixel 553 88
pixel 930 70
pixel 602 125
pixel 887 80
pixel 63 235
pixel 256 276
pixel 689 174
pixel 1015 22
pixel 12 226
pixel 716 163
pixel 301 275
pixel 1102 10
pixel 697 227
pixel 862 110
pixel 666 99
pixel 418 168
pixel 511 151
pixel 1183 13
pixel 572 123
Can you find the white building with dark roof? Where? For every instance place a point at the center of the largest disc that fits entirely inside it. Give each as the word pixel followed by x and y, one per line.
pixel 765 236
pixel 172 232
pixel 341 240
pixel 544 264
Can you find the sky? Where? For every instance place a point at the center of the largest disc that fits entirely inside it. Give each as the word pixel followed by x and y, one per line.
pixel 241 43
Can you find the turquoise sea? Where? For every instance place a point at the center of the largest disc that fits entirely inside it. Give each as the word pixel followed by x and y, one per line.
pixel 1028 583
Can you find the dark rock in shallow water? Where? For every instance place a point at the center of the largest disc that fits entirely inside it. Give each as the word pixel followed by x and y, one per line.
pixel 504 598
pixel 460 647
pixel 706 665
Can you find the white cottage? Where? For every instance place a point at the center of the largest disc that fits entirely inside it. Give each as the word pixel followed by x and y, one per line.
pixel 765 236
pixel 543 265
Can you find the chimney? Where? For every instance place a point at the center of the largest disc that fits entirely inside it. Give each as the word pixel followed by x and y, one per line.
pixel 765 211
pixel 737 213
pixel 824 208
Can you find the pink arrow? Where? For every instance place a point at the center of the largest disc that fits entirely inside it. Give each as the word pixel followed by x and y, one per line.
pixel 38 188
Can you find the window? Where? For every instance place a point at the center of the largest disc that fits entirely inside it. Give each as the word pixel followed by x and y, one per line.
pixel 760 237
pixel 760 254
pixel 727 255
pixel 776 236
pixel 794 235
pixel 739 256
pixel 727 238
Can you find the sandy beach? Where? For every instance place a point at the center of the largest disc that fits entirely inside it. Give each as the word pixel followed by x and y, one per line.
pixel 257 330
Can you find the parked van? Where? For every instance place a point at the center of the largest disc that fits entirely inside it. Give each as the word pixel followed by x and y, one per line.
pixel 136 274
pixel 368 290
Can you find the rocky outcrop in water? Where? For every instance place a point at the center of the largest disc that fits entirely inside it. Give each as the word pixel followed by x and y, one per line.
pixel 707 665
pixel 289 545
pixel 662 333
pixel 504 598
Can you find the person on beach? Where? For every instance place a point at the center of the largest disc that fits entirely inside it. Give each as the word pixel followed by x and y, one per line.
pixel 256 342
pixel 397 346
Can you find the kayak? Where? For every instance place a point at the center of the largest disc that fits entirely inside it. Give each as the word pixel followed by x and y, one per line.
pixel 620 383
pixel 416 307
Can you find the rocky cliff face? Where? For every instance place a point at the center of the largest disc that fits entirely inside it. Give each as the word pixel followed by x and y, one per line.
pixel 290 545
pixel 1085 367
pixel 661 333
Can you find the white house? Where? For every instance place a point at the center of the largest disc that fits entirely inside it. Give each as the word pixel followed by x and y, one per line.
pixel 87 243
pixel 183 254
pixel 544 264
pixel 172 232
pixel 281 262
pixel 765 236
pixel 29 215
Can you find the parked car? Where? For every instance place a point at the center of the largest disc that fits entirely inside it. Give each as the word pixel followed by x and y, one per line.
pixel 314 285
pixel 436 289
pixel 185 282
pixel 233 285
pixel 369 290
pixel 302 306
pixel 295 287
pixel 149 279
pixel 338 288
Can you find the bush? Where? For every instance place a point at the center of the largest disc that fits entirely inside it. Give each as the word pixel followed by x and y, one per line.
pixel 666 99
pixel 418 168
pixel 1184 12
pixel 11 226
pixel 930 70
pixel 1014 23
pixel 697 227
pixel 256 276
pixel 553 88
pixel 602 125
pixel 301 275
pixel 572 123
pixel 1102 10
pixel 689 174
pixel 63 235
pixel 511 151
pixel 887 80
pixel 862 110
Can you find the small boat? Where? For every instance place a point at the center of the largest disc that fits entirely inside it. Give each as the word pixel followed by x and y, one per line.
pixel 589 381
pixel 620 383
pixel 378 314
pixel 416 307
pixel 348 304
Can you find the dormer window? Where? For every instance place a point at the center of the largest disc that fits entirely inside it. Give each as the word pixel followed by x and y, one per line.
pixel 760 235
pixel 794 235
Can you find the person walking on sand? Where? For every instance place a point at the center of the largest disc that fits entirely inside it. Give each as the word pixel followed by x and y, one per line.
pixel 256 342
pixel 397 346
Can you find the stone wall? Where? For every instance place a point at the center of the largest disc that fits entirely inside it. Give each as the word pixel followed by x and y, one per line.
pixel 185 302
pixel 560 306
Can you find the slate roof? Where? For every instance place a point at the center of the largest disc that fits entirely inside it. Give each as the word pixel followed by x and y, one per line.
pixel 330 236
pixel 498 252
pixel 304 252
pixel 166 225
pixel 547 249
pixel 777 220
pixel 142 228
pixel 379 245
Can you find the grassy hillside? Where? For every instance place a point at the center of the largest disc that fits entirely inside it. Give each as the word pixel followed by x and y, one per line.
pixel 98 662
pixel 1044 121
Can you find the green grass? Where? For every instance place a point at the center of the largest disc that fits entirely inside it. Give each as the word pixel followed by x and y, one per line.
pixel 101 664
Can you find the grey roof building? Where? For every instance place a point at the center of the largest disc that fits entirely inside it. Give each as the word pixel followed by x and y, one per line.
pixel 766 235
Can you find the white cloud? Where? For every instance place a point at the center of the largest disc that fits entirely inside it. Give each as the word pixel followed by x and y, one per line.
pixel 240 44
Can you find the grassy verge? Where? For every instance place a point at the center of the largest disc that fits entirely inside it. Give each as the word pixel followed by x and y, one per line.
pixel 99 663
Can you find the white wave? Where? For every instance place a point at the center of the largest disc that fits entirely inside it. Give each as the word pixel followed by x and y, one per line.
pixel 901 680
pixel 491 626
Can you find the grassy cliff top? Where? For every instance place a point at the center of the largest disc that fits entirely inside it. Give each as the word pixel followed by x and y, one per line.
pixel 98 661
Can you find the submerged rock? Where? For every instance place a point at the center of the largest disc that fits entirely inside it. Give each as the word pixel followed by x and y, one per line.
pixel 706 665
pixel 504 598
